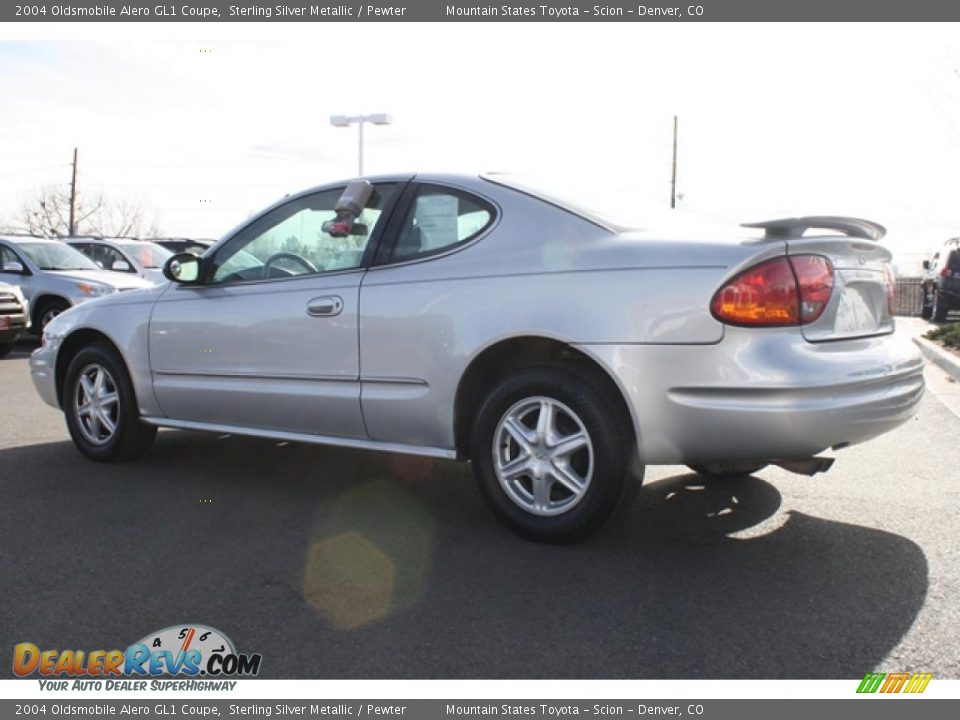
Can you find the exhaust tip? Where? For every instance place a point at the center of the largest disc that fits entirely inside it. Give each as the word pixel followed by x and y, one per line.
pixel 808 466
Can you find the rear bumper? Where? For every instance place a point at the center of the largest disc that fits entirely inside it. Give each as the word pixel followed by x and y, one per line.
pixel 763 395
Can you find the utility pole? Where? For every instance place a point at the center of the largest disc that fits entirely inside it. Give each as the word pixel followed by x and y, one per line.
pixel 73 197
pixel 673 170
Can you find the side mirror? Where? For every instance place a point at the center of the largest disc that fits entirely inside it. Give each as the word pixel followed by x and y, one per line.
pixel 183 268
pixel 926 264
pixel 13 267
pixel 120 266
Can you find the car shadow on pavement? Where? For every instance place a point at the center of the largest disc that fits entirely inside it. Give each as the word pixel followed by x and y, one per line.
pixel 341 564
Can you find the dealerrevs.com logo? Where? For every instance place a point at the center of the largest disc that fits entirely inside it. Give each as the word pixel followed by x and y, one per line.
pixel 180 650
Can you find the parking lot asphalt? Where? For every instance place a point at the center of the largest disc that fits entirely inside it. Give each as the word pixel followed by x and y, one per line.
pixel 343 564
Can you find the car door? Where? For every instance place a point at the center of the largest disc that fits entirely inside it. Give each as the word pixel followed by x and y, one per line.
pixel 268 340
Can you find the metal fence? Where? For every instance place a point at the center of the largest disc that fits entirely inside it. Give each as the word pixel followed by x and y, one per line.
pixel 909 296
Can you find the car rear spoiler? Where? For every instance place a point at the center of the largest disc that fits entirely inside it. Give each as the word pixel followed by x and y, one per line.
pixel 796 227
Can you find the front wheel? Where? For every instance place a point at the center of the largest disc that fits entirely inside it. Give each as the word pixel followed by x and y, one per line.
pixel 101 408
pixel 46 312
pixel 552 457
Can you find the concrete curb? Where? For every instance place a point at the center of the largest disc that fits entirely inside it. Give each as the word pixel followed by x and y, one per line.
pixel 944 359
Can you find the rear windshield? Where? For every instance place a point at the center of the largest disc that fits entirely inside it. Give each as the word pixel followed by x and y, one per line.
pixel 576 201
pixel 953 261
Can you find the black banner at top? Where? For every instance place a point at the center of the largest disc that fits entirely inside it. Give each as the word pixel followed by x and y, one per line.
pixel 466 11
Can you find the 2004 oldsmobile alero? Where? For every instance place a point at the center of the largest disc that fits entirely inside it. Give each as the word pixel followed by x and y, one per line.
pixel 479 318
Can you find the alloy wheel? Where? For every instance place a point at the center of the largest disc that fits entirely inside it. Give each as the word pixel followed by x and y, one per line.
pixel 96 404
pixel 543 456
pixel 49 315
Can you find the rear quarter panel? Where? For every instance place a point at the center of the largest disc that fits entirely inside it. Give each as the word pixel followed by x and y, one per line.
pixel 539 271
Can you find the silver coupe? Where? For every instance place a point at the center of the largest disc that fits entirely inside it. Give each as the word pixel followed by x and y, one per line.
pixel 479 318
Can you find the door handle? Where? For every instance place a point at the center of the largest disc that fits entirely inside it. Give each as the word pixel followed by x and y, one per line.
pixel 325 306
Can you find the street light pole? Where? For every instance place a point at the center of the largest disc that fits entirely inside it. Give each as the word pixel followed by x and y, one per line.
pixel 359 120
pixel 360 148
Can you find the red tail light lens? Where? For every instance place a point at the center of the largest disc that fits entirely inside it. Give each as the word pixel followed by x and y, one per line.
pixel 946 272
pixel 791 290
pixel 815 278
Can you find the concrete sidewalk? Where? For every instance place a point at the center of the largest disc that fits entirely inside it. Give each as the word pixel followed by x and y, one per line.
pixel 943 367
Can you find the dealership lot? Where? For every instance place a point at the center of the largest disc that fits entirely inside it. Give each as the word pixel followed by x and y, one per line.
pixel 334 563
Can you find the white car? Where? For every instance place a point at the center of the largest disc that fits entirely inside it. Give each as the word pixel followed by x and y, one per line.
pixel 137 257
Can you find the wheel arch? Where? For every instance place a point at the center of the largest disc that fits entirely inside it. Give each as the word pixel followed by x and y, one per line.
pixel 73 344
pixel 509 355
pixel 38 303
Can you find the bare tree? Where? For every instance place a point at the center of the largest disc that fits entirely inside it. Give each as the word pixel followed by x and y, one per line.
pixel 47 214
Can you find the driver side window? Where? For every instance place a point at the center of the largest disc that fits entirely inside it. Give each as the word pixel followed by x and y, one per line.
pixel 293 240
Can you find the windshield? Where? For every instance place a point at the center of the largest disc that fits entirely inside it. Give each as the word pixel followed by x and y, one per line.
pixel 150 255
pixel 57 256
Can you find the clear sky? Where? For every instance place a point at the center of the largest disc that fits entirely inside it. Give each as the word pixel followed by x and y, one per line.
pixel 207 124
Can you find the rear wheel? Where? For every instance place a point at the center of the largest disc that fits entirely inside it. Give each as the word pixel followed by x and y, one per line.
pixel 550 457
pixel 940 309
pixel 727 471
pixel 46 312
pixel 100 406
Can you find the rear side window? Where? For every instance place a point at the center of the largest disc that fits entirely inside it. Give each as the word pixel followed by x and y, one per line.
pixel 439 219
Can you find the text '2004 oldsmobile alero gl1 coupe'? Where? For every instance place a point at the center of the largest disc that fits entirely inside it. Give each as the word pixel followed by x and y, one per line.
pixel 477 318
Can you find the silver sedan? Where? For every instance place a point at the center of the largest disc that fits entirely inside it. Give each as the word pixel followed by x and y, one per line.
pixel 478 318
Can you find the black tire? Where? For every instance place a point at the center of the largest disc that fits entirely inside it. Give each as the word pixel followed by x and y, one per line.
pixel 926 310
pixel 939 310
pixel 131 437
pixel 616 470
pixel 5 348
pixel 715 473
pixel 46 311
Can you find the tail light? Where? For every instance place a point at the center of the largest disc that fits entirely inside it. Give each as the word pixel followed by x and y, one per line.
pixel 791 290
pixel 891 283
pixel 946 272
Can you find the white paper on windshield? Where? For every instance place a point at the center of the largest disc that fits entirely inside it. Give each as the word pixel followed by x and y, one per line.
pixel 437 217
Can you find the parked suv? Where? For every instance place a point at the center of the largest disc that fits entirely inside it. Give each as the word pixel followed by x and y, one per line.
pixel 14 316
pixel 127 255
pixel 54 277
pixel 941 282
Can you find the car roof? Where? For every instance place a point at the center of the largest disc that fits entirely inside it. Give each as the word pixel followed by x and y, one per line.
pixel 28 238
pixel 100 239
